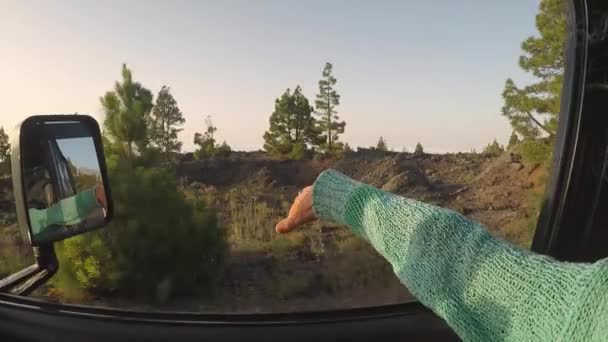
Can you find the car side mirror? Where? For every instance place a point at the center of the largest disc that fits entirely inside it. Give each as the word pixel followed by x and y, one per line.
pixel 60 180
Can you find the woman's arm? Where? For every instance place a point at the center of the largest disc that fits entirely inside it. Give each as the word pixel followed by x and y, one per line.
pixel 484 288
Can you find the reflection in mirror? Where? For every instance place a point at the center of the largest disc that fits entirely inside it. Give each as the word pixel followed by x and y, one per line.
pixel 64 190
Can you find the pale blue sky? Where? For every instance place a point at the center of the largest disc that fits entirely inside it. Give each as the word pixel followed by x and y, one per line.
pixel 429 71
pixel 81 152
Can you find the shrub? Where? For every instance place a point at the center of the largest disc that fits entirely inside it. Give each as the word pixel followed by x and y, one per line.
pixel 157 237
pixel 494 149
pixel 15 254
pixel 298 151
pixel 209 149
pixel 536 151
pixel 223 150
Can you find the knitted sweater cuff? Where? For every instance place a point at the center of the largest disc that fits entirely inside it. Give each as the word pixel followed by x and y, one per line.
pixel 331 193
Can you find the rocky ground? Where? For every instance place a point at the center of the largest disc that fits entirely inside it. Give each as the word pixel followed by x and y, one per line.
pixel 325 267
pixel 497 191
pixel 492 190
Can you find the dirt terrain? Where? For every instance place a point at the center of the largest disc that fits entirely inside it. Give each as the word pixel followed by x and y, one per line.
pixel 492 190
pixel 325 267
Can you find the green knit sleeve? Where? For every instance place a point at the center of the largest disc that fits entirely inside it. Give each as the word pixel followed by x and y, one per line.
pixel 69 211
pixel 484 288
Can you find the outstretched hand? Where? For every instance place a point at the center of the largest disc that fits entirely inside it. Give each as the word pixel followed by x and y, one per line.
pixel 300 213
pixel 100 196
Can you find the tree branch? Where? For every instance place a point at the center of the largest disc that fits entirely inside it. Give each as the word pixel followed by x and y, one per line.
pixel 540 125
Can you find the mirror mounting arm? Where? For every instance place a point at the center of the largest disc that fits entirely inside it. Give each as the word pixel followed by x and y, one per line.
pixel 29 279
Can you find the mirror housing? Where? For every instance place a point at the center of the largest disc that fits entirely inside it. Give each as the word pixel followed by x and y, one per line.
pixel 48 200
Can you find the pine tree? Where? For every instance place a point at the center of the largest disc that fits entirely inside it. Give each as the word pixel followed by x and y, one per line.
pixel 381 145
pixel 533 110
pixel 419 150
pixel 292 126
pixel 127 111
pixel 513 140
pixel 206 141
pixel 329 121
pixel 166 116
pixel 494 149
pixel 211 129
pixel 278 140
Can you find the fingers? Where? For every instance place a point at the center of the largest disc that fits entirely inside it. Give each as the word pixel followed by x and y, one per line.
pixel 300 213
pixel 284 226
pixel 289 224
pixel 100 194
pixel 293 222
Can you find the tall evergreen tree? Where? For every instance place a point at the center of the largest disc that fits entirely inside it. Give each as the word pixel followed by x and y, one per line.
pixel 381 145
pixel 329 121
pixel 211 129
pixel 206 141
pixel 513 140
pixel 533 110
pixel 291 125
pixel 278 139
pixel 419 149
pixel 127 111
pixel 166 116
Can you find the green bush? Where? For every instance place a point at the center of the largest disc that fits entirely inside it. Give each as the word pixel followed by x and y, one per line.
pixel 223 150
pixel 298 151
pixel 158 242
pixel 494 149
pixel 536 151
pixel 15 253
pixel 209 149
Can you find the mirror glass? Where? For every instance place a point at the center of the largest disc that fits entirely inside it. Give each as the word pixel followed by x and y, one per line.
pixel 63 184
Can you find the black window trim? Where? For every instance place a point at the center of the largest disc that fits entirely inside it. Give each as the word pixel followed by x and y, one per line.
pixel 572 225
pixel 564 150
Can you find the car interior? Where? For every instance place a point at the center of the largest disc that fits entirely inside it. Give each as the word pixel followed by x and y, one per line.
pixel 572 225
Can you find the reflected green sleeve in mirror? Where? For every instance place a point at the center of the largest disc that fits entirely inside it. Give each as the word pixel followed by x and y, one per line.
pixel 69 211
